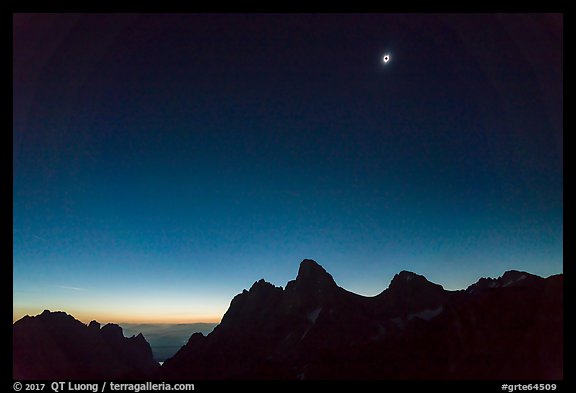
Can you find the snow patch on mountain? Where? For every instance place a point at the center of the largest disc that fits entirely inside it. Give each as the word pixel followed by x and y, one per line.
pixel 427 315
pixel 313 316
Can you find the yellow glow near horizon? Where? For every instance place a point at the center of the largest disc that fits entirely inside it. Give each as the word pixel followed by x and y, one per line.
pixel 119 318
pixel 120 308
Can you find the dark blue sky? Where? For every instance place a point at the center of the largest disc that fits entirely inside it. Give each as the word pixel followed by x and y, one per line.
pixel 162 163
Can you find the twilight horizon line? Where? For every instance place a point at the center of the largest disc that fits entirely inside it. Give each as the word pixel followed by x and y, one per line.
pixel 86 318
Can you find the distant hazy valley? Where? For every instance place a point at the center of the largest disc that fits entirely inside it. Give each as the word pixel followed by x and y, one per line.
pixel 166 339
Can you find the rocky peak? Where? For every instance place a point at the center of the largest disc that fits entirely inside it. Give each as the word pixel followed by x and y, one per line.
pixel 406 280
pixel 94 325
pixel 410 292
pixel 262 286
pixel 57 321
pixel 312 275
pixel 112 331
pixel 55 316
pixel 509 278
pixel 312 288
pixel 515 277
pixel 139 338
pixel 56 345
pixel 256 303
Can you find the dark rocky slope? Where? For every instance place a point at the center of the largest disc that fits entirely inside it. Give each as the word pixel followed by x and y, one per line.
pixel 506 328
pixel 54 345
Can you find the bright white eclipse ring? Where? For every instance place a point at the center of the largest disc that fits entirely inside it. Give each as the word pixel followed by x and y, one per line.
pixel 386 58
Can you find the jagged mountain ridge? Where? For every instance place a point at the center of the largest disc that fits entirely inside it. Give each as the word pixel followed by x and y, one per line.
pixel 54 345
pixel 507 328
pixel 509 278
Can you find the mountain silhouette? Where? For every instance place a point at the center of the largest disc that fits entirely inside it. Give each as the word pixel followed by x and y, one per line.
pixel 510 278
pixel 507 328
pixel 54 345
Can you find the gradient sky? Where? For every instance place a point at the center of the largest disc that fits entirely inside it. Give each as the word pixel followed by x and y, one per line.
pixel 163 163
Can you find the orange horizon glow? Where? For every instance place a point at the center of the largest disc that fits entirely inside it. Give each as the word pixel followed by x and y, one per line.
pixel 104 318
